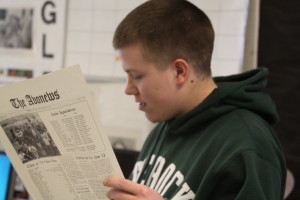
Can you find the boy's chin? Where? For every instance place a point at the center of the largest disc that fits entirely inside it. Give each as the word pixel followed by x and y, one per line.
pixel 155 119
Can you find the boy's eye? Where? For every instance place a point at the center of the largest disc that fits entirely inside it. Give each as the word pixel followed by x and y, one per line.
pixel 137 77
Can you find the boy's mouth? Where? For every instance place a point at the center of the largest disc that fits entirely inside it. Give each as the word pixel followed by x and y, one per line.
pixel 142 106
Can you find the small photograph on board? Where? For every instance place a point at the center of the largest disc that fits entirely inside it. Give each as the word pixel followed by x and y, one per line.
pixel 16 28
pixel 20 73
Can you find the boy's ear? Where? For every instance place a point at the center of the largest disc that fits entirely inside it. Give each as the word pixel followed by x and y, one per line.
pixel 182 69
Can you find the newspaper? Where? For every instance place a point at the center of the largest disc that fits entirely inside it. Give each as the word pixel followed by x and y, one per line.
pixel 52 135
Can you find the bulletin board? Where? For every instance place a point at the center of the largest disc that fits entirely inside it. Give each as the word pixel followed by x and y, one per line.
pixel 31 38
pixel 61 33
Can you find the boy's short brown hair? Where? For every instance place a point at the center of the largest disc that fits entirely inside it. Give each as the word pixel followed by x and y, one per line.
pixel 169 29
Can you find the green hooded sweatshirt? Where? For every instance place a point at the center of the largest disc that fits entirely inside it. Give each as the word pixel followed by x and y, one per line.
pixel 223 149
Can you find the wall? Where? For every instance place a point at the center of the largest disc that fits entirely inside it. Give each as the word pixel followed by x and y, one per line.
pixel 279 51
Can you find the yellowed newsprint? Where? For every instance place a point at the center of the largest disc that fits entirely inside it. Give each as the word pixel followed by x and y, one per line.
pixel 52 135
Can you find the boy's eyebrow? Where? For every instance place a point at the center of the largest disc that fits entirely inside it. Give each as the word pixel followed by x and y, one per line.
pixel 130 70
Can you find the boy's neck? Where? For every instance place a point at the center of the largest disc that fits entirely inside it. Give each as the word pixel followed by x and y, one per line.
pixel 196 91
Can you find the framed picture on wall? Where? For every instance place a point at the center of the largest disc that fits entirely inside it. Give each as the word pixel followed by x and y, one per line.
pixel 16 28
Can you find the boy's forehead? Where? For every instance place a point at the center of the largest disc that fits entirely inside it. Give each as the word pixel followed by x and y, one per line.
pixel 130 51
pixel 131 57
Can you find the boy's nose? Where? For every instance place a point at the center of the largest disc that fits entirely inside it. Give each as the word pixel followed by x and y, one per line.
pixel 130 88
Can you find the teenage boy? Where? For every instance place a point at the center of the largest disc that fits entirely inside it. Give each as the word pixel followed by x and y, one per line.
pixel 214 139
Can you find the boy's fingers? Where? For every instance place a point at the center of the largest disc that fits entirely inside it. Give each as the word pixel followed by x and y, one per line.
pixel 125 185
pixel 117 194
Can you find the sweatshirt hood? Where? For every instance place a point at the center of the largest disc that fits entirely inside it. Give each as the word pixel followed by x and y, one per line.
pixel 241 91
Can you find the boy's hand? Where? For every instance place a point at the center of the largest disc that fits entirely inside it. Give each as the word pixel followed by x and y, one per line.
pixel 123 189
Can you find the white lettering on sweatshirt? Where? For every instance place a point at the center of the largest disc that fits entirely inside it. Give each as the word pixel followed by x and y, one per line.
pixel 162 180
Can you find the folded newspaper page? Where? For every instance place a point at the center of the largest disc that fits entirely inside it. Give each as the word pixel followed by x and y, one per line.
pixel 52 135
